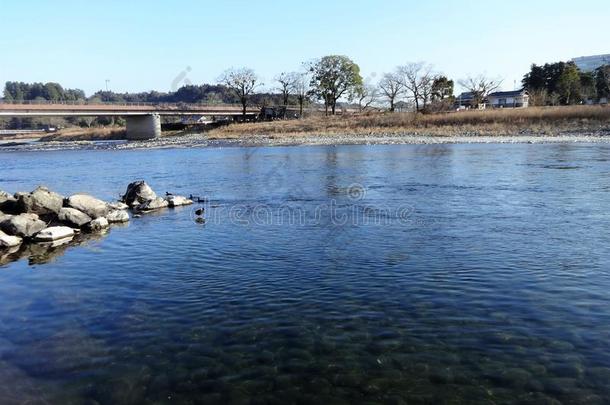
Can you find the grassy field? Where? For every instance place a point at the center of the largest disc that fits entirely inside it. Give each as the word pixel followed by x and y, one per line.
pixel 535 120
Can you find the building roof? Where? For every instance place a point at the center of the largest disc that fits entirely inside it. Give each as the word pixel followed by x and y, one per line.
pixel 515 93
pixel 466 96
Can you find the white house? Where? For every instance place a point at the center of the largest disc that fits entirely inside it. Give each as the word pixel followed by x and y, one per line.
pixel 509 99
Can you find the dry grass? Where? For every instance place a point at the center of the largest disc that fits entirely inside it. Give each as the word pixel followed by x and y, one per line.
pixel 538 120
pixel 86 134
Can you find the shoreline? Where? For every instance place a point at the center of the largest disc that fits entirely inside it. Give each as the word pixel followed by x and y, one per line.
pixel 203 140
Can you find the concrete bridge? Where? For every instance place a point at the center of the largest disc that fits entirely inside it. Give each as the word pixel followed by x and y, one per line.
pixel 143 119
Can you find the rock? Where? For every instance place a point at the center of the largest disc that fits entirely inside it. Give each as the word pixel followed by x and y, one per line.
pixel 8 203
pixel 118 206
pixel 8 241
pixel 41 201
pixel 177 201
pixel 117 216
pixel 155 204
pixel 23 225
pixel 98 224
pixel 54 233
pixel 73 217
pixel 138 193
pixel 89 205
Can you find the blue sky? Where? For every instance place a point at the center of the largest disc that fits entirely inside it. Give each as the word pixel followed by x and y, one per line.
pixel 144 45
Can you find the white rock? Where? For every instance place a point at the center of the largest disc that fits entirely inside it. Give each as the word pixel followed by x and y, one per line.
pixel 178 200
pixel 54 233
pixel 118 206
pixel 98 224
pixel 8 241
pixel 117 216
pixel 155 204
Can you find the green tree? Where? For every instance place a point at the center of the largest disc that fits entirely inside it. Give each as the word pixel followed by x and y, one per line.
pixel 568 85
pixel 333 77
pixel 602 82
pixel 442 88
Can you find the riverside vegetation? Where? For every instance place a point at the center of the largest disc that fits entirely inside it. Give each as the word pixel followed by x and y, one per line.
pixel 40 222
pixel 535 124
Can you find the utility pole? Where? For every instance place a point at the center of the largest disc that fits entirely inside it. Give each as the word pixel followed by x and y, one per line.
pixel 107 81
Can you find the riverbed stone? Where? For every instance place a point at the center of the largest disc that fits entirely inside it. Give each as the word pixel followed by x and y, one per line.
pixel 89 205
pixel 23 225
pixel 41 201
pixel 178 201
pixel 97 225
pixel 152 205
pixel 73 217
pixel 54 233
pixel 9 241
pixel 117 216
pixel 138 193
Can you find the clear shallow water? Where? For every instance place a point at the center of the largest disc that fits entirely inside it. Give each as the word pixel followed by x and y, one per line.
pixel 457 274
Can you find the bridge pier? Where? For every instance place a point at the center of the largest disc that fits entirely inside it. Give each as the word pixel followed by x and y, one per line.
pixel 143 127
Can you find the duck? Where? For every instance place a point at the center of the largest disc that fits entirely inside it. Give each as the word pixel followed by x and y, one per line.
pixel 199 211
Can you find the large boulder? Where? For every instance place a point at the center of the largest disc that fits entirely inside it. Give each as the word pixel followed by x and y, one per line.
pixel 8 203
pixel 73 217
pixel 41 201
pixel 138 193
pixel 177 201
pixel 118 206
pixel 117 216
pixel 152 205
pixel 8 241
pixel 23 225
pixel 54 233
pixel 89 205
pixel 97 225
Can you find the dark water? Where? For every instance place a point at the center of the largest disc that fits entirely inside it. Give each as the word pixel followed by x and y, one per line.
pixel 324 275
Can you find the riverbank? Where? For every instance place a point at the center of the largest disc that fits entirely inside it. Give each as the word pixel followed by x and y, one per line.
pixel 534 125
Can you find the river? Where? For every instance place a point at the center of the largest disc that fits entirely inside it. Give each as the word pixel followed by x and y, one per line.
pixel 352 274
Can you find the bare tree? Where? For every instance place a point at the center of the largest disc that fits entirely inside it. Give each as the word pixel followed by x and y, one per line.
pixel 391 86
pixel 243 82
pixel 417 78
pixel 366 94
pixel 480 86
pixel 288 82
pixel 287 85
pixel 301 90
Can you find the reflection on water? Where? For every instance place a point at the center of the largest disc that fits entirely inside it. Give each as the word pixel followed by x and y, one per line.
pixel 491 288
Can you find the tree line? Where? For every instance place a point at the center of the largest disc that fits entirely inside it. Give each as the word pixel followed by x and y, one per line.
pixel 336 80
pixel 563 83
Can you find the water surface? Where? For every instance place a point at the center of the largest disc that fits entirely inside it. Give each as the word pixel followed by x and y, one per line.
pixel 352 274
